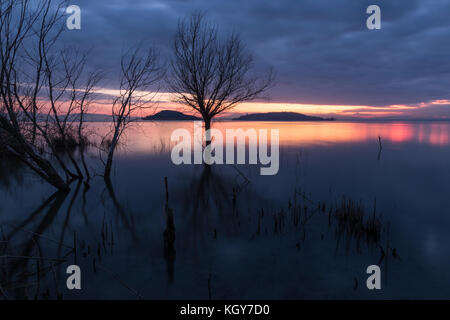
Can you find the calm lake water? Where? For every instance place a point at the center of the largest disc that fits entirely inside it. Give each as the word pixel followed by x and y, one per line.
pixel 238 234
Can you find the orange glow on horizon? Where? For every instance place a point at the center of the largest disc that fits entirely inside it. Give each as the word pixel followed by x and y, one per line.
pixel 165 101
pixel 154 137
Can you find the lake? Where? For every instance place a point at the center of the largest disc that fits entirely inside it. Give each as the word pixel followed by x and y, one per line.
pixel 338 204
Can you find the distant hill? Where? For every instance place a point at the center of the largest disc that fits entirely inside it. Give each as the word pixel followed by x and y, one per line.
pixel 280 116
pixel 169 115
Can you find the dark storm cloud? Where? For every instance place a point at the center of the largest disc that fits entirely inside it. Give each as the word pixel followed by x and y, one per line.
pixel 321 49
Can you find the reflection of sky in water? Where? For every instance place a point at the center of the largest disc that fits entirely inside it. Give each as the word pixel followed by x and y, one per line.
pixel 147 137
pixel 218 242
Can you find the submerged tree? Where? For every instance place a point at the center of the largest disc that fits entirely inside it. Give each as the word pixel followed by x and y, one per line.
pixel 140 70
pixel 41 88
pixel 209 74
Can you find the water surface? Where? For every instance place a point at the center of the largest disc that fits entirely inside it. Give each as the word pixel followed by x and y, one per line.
pixel 239 234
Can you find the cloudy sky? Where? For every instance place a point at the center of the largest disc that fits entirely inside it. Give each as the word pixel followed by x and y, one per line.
pixel 326 60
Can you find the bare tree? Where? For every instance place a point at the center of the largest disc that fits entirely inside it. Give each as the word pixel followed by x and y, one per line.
pixel 140 70
pixel 39 88
pixel 80 94
pixel 211 75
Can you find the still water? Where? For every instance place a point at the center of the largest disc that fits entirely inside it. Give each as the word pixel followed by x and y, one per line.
pixel 234 234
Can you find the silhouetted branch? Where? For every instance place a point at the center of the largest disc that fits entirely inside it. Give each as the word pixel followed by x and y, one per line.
pixel 139 71
pixel 210 75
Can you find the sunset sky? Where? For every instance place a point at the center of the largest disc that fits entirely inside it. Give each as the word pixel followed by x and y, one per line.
pixel 326 61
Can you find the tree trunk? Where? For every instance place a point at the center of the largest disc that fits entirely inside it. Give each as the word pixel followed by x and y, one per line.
pixel 108 166
pixel 53 177
pixel 109 160
pixel 208 139
pixel 207 127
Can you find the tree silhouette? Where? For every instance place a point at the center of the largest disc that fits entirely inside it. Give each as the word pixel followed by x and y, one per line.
pixel 211 75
